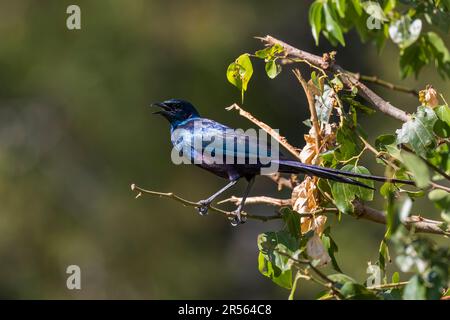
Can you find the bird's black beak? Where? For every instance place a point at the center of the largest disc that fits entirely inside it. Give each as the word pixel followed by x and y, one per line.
pixel 165 107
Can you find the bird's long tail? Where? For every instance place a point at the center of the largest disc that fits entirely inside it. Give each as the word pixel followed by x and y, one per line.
pixel 289 166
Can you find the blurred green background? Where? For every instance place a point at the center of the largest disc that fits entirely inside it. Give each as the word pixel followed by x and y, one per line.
pixel 76 131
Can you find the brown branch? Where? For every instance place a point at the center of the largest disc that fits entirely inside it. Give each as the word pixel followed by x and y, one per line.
pixel 284 182
pixel 169 195
pixel 312 107
pixel 347 78
pixel 386 84
pixel 417 223
pixel 435 185
pixel 281 140
pixel 260 200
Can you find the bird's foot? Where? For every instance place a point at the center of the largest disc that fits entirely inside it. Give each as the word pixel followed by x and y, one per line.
pixel 237 218
pixel 203 207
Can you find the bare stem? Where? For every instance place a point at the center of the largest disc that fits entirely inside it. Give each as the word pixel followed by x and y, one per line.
pixel 388 285
pixel 386 84
pixel 188 203
pixel 282 140
pixel 312 107
pixel 260 200
pixel 347 78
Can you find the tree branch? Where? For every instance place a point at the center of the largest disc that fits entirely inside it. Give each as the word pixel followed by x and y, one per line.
pixel 312 107
pixel 281 140
pixel 417 223
pixel 347 78
pixel 386 84
pixel 188 203
pixel 362 211
pixel 260 200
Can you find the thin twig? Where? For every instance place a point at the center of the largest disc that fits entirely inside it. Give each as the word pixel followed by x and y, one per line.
pixel 415 222
pixel 435 185
pixel 284 182
pixel 277 203
pixel 312 107
pixel 388 285
pixel 260 200
pixel 185 202
pixel 347 78
pixel 330 283
pixel 281 140
pixel 386 84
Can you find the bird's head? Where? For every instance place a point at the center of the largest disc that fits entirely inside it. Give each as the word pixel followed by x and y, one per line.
pixel 176 111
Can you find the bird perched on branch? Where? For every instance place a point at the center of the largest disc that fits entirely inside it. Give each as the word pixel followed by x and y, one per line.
pixel 232 154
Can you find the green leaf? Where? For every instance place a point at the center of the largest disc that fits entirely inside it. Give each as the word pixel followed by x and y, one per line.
pixel 331 247
pixel 418 168
pixel 438 53
pixel 341 278
pixel 358 105
pixel 272 243
pixel 441 200
pixel 443 113
pixel 315 19
pixel 272 69
pixel 383 140
pixel 292 221
pixel 361 192
pixel 275 249
pixel 383 255
pixel 441 129
pixel 415 289
pixel 386 189
pixel 438 46
pixel 355 291
pixel 332 26
pixel 340 7
pixel 294 288
pixel 357 6
pixel 414 58
pixel 281 278
pixel 344 194
pixel 396 277
pixel 324 295
pixel 418 131
pixel 272 263
pixel 392 219
pixel 349 143
pixel 269 53
pixel 240 72
pixel 349 288
pixel 393 150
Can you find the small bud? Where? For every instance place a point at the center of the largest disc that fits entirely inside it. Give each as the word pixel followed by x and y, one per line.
pixel 429 97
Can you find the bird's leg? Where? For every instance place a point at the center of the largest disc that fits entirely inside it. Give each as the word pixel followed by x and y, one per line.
pixel 204 204
pixel 237 219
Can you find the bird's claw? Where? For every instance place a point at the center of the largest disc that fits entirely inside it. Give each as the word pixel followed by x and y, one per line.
pixel 237 219
pixel 203 207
